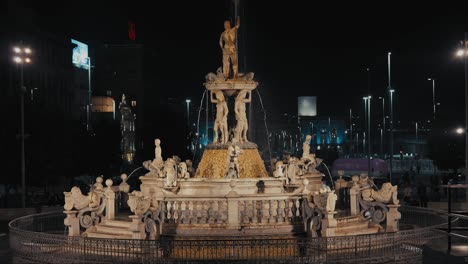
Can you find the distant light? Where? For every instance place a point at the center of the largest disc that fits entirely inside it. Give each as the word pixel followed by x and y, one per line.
pixel 369 97
pixel 460 130
pixel 318 147
pixel 17 50
pixel 17 59
pixel 27 50
pixel 187 101
pixel 392 90
pixel 429 79
pixel 460 52
pixel 389 53
pixel 27 60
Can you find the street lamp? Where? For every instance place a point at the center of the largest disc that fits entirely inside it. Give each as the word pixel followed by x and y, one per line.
pixel 188 113
pixel 433 97
pixel 463 52
pixel 21 57
pixel 391 91
pixel 365 98
pixel 460 130
pixel 383 125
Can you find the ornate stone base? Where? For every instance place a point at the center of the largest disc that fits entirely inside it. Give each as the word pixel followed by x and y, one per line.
pixel 214 163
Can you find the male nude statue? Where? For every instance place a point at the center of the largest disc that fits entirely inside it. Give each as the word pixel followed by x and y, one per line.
pixel 229 48
pixel 221 118
pixel 242 125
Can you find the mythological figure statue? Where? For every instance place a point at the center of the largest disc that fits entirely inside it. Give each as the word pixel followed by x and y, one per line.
pixel 233 161
pixel 229 48
pixel 241 117
pixel 221 118
pixel 306 148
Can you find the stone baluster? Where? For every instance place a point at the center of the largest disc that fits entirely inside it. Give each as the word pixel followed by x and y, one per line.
pixel 110 196
pixel 195 212
pixel 297 206
pixel 279 212
pixel 179 212
pixel 187 213
pixel 264 212
pixel 245 212
pixel 124 187
pixel 72 223
pixel 137 227
pixel 204 213
pixel 220 218
pixel 287 211
pixel 271 212
pixel 293 211
pixel 233 216
pixel 257 212
pixel 211 212
pixel 172 212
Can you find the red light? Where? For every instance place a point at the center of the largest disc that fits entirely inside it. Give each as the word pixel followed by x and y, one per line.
pixel 131 31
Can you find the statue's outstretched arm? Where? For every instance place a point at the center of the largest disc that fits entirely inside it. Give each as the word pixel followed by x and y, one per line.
pixel 237 23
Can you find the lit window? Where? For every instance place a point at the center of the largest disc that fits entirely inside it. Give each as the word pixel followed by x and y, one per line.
pixel 109 93
pixel 133 103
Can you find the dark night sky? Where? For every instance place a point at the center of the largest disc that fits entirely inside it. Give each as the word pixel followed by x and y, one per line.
pixel 293 47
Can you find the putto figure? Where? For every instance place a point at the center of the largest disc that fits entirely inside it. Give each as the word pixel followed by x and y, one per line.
pixel 229 36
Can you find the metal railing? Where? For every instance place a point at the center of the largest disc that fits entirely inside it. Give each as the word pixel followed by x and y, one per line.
pixel 42 238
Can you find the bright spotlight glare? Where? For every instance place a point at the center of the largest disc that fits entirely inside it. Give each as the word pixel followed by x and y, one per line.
pixel 17 50
pixel 460 130
pixel 460 53
pixel 17 59
pixel 27 60
pixel 27 50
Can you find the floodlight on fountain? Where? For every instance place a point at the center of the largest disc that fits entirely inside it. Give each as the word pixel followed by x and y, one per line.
pixel 460 130
pixel 460 52
pixel 27 50
pixel 17 59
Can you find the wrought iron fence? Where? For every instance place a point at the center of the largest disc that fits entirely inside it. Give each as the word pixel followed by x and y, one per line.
pixel 41 238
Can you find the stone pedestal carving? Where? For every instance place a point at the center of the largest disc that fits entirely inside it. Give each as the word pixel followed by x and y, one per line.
pixel 137 227
pixel 393 218
pixel 329 224
pixel 72 222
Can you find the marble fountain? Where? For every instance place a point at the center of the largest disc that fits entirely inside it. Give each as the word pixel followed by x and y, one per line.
pixel 231 194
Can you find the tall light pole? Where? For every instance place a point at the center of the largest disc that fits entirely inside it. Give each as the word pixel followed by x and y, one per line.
pixel 365 98
pixel 369 142
pixel 391 91
pixel 188 113
pixel 21 57
pixel 351 127
pixel 90 102
pixel 383 126
pixel 433 98
pixel 464 53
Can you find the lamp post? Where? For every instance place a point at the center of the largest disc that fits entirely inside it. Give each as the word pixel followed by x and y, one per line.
pixel 433 98
pixel 188 113
pixel 391 91
pixel 383 126
pixel 365 98
pixel 21 57
pixel 369 142
pixel 463 52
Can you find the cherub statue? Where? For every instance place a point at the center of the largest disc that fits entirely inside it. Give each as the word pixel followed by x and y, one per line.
pixel 183 173
pixel 170 173
pixel 280 169
pixel 233 160
pixel 189 166
pixel 158 162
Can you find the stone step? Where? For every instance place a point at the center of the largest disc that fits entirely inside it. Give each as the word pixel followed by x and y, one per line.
pixel 113 230
pixel 365 231
pixel 353 225
pixel 107 235
pixel 116 223
pixel 344 221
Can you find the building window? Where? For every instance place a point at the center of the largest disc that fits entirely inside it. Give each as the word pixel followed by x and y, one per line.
pixel 109 93
pixel 133 103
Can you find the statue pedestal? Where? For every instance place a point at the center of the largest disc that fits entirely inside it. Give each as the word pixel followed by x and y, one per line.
pixel 393 218
pixel 315 181
pixel 329 224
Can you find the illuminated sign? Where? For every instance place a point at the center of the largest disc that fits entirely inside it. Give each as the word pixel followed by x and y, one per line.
pixel 307 106
pixel 80 56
